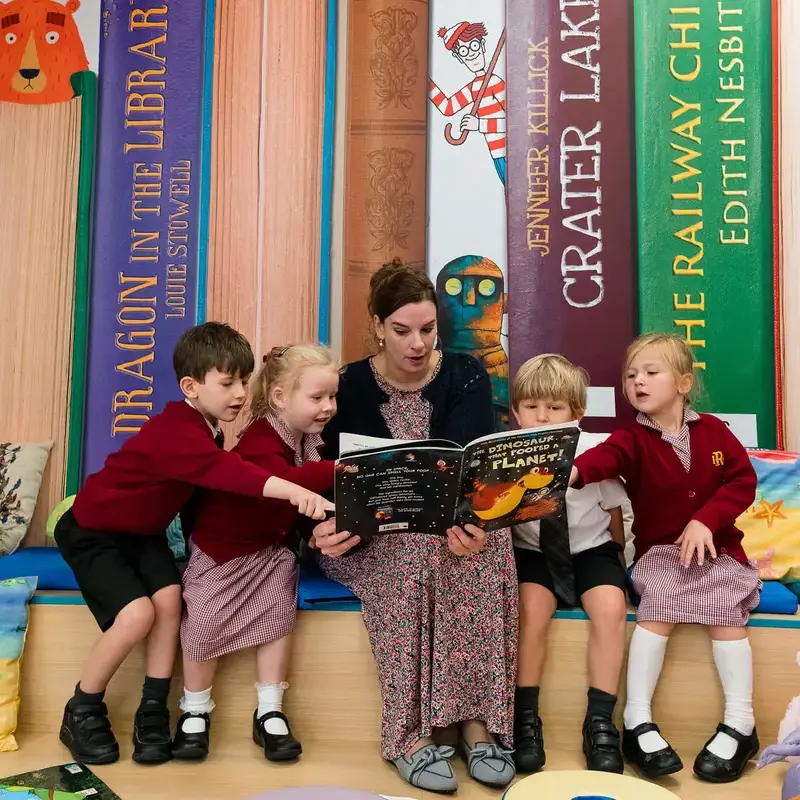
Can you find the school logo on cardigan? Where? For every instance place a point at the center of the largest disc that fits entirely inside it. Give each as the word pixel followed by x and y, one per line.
pixel 717 459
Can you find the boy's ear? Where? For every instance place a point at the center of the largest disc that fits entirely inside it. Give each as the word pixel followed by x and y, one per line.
pixel 188 387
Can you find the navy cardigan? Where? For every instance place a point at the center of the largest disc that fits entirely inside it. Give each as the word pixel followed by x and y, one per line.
pixel 460 396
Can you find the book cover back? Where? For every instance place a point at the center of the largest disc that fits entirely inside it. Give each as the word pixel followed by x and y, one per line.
pixel 411 488
pixel 516 477
pixel 61 782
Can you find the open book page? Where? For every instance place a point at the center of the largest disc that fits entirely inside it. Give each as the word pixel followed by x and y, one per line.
pixel 516 476
pixel 353 442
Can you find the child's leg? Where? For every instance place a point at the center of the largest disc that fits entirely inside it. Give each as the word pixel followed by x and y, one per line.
pixel 537 604
pixel 734 660
pixel 605 606
pixel 270 727
pixel 645 660
pixel 272 660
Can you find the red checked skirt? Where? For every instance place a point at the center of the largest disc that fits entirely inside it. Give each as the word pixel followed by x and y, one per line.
pixel 720 593
pixel 246 602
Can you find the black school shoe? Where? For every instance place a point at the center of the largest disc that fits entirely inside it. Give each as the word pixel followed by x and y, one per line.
pixel 152 742
pixel 601 745
pixel 86 732
pixel 714 769
pixel 652 765
pixel 191 746
pixel 277 747
pixel 529 755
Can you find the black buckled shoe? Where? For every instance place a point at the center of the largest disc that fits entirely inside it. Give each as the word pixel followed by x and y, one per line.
pixel 601 745
pixel 86 732
pixel 714 769
pixel 277 746
pixel 652 765
pixel 529 755
pixel 152 742
pixel 191 746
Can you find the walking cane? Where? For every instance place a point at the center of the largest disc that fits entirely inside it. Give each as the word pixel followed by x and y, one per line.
pixel 476 105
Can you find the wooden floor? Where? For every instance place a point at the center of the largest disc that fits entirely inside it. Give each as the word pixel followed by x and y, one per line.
pixel 334 706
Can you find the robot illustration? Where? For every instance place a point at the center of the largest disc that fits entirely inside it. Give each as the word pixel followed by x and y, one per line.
pixel 472 304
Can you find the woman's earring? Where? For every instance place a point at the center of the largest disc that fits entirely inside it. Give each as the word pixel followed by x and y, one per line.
pixel 381 344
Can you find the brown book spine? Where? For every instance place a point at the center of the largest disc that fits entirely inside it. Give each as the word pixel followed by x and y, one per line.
pixel 385 181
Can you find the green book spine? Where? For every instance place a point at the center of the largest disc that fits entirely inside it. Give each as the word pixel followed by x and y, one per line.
pixel 704 164
pixel 85 86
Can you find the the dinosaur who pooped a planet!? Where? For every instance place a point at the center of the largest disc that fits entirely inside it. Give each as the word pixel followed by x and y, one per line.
pixel 492 502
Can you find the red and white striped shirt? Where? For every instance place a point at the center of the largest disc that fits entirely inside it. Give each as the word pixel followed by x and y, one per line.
pixel 491 111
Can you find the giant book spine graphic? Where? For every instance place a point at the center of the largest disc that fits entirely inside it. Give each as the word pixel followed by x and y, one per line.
pixel 703 146
pixel 145 255
pixel 570 249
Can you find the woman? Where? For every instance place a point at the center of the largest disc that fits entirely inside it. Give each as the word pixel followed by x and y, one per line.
pixel 441 613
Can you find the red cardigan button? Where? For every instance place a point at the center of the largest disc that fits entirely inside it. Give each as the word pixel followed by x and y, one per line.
pixel 691 493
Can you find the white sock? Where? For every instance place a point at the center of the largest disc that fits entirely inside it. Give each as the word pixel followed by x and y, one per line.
pixel 645 659
pixel 734 662
pixel 270 698
pixel 196 703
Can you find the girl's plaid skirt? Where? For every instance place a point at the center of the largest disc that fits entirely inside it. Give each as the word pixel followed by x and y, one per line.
pixel 246 602
pixel 720 593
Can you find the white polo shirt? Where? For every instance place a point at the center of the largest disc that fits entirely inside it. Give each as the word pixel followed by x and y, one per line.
pixel 587 510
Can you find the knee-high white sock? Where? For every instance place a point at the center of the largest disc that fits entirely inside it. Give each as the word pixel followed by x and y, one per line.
pixel 196 703
pixel 270 698
pixel 645 660
pixel 734 662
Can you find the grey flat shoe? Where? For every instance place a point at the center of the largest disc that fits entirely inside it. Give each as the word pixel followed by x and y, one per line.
pixel 489 764
pixel 429 768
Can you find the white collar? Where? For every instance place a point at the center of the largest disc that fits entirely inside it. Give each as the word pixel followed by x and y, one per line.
pixel 215 429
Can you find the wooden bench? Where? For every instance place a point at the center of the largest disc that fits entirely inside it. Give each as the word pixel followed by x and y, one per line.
pixel 334 706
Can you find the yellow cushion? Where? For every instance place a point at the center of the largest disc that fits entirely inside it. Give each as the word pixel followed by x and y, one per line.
pixel 15 593
pixel 567 785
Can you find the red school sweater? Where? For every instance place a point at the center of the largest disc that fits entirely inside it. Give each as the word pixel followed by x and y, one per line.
pixel 720 485
pixel 142 487
pixel 228 526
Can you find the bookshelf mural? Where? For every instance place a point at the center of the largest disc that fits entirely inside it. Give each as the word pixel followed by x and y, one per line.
pixel 569 172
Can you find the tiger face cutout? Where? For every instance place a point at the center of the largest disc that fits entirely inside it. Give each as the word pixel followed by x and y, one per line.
pixel 40 50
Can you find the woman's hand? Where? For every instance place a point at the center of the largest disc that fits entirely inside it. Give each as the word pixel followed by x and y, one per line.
pixel 466 542
pixel 328 542
pixel 696 538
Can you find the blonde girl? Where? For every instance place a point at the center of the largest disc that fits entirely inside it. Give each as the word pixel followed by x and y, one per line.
pixel 688 479
pixel 240 585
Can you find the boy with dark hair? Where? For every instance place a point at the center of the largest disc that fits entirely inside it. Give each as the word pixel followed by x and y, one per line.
pixel 114 538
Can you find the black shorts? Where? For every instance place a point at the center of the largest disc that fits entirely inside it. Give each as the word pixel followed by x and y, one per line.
pixel 597 566
pixel 114 569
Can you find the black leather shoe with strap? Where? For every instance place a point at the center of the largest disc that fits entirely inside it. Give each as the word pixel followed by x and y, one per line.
pixel 529 755
pixel 152 741
pixel 277 746
pixel 191 746
pixel 712 768
pixel 601 745
pixel 86 732
pixel 652 765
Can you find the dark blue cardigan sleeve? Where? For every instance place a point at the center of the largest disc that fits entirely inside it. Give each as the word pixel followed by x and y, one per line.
pixel 471 414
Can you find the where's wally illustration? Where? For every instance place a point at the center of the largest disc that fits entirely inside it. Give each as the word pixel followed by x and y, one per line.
pixel 466 201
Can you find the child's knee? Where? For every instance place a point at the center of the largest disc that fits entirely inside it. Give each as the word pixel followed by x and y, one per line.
pixel 607 610
pixel 136 619
pixel 536 607
pixel 167 604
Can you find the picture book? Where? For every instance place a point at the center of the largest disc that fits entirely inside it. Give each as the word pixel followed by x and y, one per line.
pixel 64 782
pixel 389 486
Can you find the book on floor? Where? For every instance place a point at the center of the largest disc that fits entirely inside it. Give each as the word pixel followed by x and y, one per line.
pixel 392 486
pixel 62 782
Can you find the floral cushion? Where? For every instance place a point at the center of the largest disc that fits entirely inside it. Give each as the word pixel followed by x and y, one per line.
pixel 21 470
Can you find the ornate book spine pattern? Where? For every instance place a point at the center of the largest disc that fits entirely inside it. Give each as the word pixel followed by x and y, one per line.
pixel 384 214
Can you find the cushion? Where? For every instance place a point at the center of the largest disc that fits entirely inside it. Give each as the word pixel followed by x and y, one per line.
pixel 46 563
pixel 15 594
pixel 21 470
pixel 315 591
pixel 56 514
